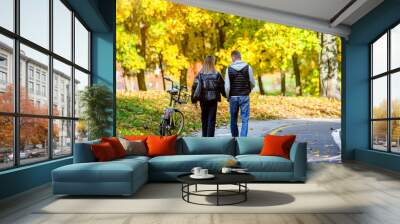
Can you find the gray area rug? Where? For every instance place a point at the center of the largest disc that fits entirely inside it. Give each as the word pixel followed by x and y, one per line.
pixel 166 198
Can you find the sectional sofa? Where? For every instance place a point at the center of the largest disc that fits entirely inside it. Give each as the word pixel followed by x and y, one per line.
pixel 125 176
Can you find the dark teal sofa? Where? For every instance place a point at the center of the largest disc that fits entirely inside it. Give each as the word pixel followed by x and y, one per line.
pixel 125 176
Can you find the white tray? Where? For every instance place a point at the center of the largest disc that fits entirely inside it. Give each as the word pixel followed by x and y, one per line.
pixel 208 176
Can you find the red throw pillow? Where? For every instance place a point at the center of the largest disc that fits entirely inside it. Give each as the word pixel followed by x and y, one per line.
pixel 275 145
pixel 103 152
pixel 161 145
pixel 116 145
pixel 136 138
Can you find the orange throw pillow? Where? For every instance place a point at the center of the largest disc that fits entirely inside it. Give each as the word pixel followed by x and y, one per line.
pixel 136 138
pixel 161 145
pixel 275 145
pixel 103 152
pixel 116 145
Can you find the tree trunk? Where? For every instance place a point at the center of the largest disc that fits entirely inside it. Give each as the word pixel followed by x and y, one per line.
pixel 283 83
pixel 183 77
pixel 126 83
pixel 142 52
pixel 184 46
pixel 261 85
pixel 128 75
pixel 160 64
pixel 221 43
pixel 221 37
pixel 329 85
pixel 141 81
pixel 296 70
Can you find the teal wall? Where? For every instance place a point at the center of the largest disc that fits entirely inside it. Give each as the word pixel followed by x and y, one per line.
pixel 24 178
pixel 103 54
pixel 103 67
pixel 356 99
pixel 99 16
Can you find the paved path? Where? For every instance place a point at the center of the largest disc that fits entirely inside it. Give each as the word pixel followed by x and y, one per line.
pixel 316 132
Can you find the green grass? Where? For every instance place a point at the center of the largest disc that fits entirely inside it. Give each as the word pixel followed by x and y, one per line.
pixel 139 113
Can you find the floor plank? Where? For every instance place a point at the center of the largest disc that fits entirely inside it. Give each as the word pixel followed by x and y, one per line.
pixel 376 190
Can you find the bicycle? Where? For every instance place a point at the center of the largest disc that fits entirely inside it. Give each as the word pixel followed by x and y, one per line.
pixel 173 120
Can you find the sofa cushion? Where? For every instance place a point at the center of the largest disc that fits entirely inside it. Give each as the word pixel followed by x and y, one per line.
pixel 136 147
pixel 161 145
pixel 135 137
pixel 103 152
pixel 249 145
pixel 276 145
pixel 133 157
pixel 185 163
pixel 83 152
pixel 199 145
pixel 257 163
pixel 113 171
pixel 116 145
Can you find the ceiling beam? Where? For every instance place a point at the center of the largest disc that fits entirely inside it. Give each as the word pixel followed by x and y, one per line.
pixel 346 12
pixel 268 15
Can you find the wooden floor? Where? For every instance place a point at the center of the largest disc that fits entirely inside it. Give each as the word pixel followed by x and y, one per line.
pixel 379 190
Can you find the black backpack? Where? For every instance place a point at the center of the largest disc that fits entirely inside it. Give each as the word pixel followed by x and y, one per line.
pixel 209 86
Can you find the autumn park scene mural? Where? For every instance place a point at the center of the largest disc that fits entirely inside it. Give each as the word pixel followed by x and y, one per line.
pixel 297 72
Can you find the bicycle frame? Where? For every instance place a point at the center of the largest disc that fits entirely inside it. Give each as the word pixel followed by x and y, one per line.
pixel 168 116
pixel 175 98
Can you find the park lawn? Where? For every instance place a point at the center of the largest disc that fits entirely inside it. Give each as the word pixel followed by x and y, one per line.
pixel 139 113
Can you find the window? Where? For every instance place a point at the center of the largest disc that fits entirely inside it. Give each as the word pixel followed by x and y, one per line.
pixel 44 91
pixel 62 29
pixel 62 137
pixel 62 74
pixel 47 76
pixel 37 74
pixel 81 45
pixel 385 95
pixel 37 89
pixel 3 78
pixel 3 61
pixel 81 82
pixel 6 73
pixel 3 72
pixel 30 72
pixel 6 142
pixel 35 21
pixel 395 47
pixel 30 87
pixel 7 14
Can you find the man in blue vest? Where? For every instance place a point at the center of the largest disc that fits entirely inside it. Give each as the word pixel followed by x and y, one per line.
pixel 239 81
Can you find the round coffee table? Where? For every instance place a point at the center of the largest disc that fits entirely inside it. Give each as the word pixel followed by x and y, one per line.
pixel 238 179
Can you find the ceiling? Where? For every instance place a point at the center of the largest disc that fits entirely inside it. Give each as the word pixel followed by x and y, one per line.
pixel 327 16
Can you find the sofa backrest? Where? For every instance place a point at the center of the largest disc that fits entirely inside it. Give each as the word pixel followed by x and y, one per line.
pixel 190 146
pixel 249 145
pixel 200 145
pixel 83 153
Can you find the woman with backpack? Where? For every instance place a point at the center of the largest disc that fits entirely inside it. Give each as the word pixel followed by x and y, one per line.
pixel 207 88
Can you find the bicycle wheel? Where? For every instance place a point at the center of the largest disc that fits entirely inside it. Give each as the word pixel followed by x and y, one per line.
pixel 177 123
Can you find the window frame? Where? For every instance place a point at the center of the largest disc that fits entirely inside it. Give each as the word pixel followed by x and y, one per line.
pixel 16 114
pixel 388 74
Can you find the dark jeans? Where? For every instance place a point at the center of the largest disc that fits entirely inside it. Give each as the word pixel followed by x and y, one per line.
pixel 208 117
pixel 242 103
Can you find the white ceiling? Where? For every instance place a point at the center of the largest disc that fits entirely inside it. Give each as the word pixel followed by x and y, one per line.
pixel 320 9
pixel 319 15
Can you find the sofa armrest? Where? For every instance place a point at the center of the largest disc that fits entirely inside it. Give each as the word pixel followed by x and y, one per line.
pixel 83 152
pixel 298 155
